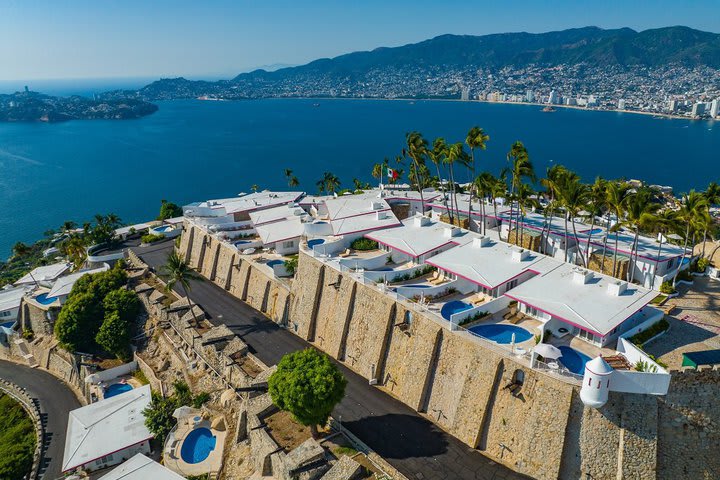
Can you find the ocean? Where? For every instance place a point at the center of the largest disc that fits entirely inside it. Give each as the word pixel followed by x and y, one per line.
pixel 196 150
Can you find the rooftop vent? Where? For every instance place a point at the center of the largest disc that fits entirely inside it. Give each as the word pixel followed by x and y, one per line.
pixel 421 221
pixel 482 241
pixel 520 254
pixel 617 288
pixel 582 276
pixel 376 205
pixel 451 232
pixel 381 215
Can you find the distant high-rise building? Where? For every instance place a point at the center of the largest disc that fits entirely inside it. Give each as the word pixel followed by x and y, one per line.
pixel 698 109
pixel 715 108
pixel 591 101
pixel 553 98
pixel 621 104
pixel 571 101
pixel 464 93
pixel 672 105
pixel 529 96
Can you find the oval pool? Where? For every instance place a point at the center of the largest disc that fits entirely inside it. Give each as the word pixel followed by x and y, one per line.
pixel 272 263
pixel 501 333
pixel 315 241
pixel 116 389
pixel 197 445
pixel 43 299
pixel 573 360
pixel 416 286
pixel 451 308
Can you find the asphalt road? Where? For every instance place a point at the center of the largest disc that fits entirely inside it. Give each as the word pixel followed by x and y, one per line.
pixel 56 401
pixel 412 444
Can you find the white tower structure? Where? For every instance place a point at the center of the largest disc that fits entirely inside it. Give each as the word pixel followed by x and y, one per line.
pixel 596 383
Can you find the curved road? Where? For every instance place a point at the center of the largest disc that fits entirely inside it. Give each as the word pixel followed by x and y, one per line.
pixel 56 400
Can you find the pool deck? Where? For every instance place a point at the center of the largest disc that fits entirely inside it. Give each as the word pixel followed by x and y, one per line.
pixel 171 452
pixel 99 390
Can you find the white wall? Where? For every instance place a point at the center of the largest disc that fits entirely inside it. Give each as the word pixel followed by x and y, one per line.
pixel 630 381
pixel 112 373
pixel 290 249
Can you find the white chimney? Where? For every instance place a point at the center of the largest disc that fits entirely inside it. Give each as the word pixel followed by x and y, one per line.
pixel 480 242
pixel 376 205
pixel 617 288
pixel 380 215
pixel 421 221
pixel 520 254
pixel 450 232
pixel 581 276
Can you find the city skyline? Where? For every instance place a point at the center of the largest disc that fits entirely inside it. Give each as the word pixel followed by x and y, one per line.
pixel 131 39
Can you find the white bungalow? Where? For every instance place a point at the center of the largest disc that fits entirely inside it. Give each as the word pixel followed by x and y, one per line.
pixel 10 300
pixel 597 308
pixel 107 432
pixel 236 209
pixel 490 266
pixel 44 276
pixel 352 216
pixel 141 467
pixel 63 285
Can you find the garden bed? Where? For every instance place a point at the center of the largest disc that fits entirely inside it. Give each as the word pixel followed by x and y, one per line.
pixel 286 432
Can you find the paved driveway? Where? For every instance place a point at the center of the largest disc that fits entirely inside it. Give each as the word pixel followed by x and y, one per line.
pixel 56 400
pixel 412 444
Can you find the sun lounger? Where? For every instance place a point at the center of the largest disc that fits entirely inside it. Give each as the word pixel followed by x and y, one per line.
pixel 434 276
pixel 346 253
pixel 438 280
pixel 479 298
pixel 516 318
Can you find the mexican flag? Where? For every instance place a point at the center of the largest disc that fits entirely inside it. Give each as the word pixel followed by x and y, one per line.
pixel 390 173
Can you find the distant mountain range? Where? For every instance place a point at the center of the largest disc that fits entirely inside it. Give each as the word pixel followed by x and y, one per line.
pixel 592 46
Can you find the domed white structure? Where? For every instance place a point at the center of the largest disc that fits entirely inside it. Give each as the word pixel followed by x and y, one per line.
pixel 596 383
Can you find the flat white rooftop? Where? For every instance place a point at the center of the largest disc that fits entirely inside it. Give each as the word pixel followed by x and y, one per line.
pixel 419 235
pixel 439 204
pixel 12 297
pixel 592 305
pixel 491 263
pixel 63 285
pixel 647 247
pixel 275 214
pixel 285 229
pixel 364 223
pixel 354 205
pixel 141 467
pixel 107 426
pixel 47 273
pixel 244 202
pixel 409 195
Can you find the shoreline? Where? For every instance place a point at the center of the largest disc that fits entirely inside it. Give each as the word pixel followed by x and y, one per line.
pixel 660 116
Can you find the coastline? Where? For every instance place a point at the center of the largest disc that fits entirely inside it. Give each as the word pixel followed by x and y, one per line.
pixel 504 102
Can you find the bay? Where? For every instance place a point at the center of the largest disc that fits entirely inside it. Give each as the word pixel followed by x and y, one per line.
pixel 196 150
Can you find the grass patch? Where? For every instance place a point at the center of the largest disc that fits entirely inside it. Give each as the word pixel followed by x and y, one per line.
pixel 349 451
pixel 642 337
pixel 152 238
pixel 139 375
pixel 659 300
pixel 17 439
pixel 364 244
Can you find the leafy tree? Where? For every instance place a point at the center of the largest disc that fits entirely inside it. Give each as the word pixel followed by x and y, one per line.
pixel 176 271
pixel 291 264
pixel 169 210
pixel 123 302
pixel 20 249
pixel 79 321
pixel 114 335
pixel 308 385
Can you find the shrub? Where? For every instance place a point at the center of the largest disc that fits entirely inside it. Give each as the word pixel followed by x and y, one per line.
pixel 667 288
pixel 200 399
pixel 640 338
pixel 28 333
pixel 685 276
pixel 169 210
pixel 702 265
pixel 364 244
pixel 152 238
pixel 159 414
pixel 114 336
pixel 291 264
pixel 139 375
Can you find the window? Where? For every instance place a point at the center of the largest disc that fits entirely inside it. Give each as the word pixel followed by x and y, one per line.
pixel 5 314
pixel 511 284
pixel 289 244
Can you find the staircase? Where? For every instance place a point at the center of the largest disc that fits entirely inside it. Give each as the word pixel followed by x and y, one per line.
pixel 25 352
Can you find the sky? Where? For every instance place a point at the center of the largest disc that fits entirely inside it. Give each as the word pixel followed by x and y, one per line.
pixel 81 39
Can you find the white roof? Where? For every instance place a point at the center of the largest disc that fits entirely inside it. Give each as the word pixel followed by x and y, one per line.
pixel 285 229
pixel 105 427
pixel 587 305
pixel 419 235
pixel 47 273
pixel 647 247
pixel 536 222
pixel 490 265
pixel 138 227
pixel 11 298
pixel 63 285
pixel 364 223
pixel 141 467
pixel 439 204
pixel 274 214
pixel 174 220
pixel 354 205
pixel 252 201
pixel 410 195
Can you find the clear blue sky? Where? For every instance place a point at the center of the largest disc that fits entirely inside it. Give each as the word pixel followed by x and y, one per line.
pixel 152 38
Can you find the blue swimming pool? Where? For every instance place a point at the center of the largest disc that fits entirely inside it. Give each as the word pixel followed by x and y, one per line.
pixel 417 286
pixel 451 308
pixel 43 299
pixel 9 324
pixel 315 241
pixel 573 360
pixel 382 269
pixel 163 229
pixel 501 333
pixel 594 231
pixel 274 262
pixel 116 389
pixel 197 445
pixel 242 242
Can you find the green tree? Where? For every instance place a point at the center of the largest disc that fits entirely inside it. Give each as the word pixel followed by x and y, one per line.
pixel 124 302
pixel 17 439
pixel 114 335
pixel 572 195
pixel 176 272
pixel 159 417
pixel 639 215
pixel 20 249
pixel 308 385
pixel 79 321
pixel 617 194
pixel 169 210
pixel 694 204
pixel 416 150
pixel 476 138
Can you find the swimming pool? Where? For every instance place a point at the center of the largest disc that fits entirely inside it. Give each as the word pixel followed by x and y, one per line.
pixel 116 389
pixel 162 229
pixel 501 333
pixel 274 262
pixel 382 269
pixel 594 231
pixel 573 360
pixel 197 445
pixel 43 299
pixel 416 286
pixel 451 308
pixel 316 241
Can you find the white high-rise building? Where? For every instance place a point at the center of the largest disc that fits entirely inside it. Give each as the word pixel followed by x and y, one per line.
pixel 698 109
pixel 715 108
pixel 621 104
pixel 465 93
pixel 554 98
pixel 672 105
pixel 529 96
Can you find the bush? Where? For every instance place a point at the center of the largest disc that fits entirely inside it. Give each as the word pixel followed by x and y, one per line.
pixel 291 264
pixel 114 336
pixel 169 210
pixel 667 288
pixel 200 399
pixel 364 244
pixel 139 375
pixel 702 265
pixel 17 439
pixel 152 238
pixel 685 276
pixel 640 338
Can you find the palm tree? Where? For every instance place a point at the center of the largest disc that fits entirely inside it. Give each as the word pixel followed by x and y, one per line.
pixel 437 157
pixel 254 187
pixel 484 185
pixel 520 168
pixel 693 205
pixel 525 199
pixel 573 196
pixel 663 222
pixel 455 153
pixel 617 194
pixel 554 177
pixel 416 150
pixel 596 205
pixel 293 182
pixel 176 271
pixel 76 249
pixel 328 183
pixel 68 226
pixel 476 138
pixel 639 215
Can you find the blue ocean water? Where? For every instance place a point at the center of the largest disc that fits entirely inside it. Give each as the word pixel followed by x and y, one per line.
pixel 195 150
